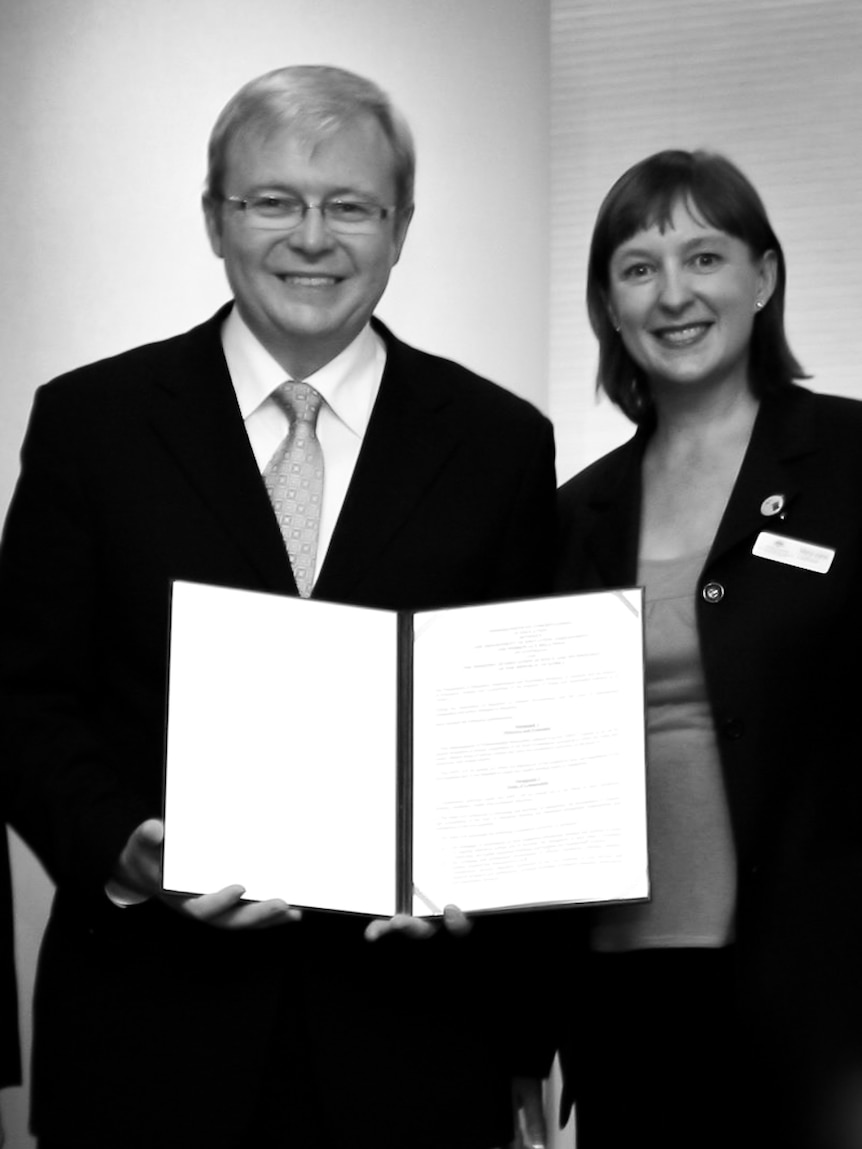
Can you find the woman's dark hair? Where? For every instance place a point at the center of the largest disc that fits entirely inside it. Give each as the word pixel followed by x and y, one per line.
pixel 718 192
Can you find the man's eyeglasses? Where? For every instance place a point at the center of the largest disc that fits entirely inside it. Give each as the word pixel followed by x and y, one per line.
pixel 285 212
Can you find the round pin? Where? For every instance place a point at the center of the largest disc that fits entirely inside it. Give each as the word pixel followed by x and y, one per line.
pixel 772 505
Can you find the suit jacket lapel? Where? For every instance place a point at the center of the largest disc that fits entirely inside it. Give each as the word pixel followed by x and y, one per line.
pixel 411 435
pixel 195 413
pixel 612 541
pixel 782 435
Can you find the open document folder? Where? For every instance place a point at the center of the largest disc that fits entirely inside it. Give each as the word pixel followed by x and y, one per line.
pixel 368 761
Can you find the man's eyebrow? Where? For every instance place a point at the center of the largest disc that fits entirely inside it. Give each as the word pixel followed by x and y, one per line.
pixel 274 186
pixel 334 193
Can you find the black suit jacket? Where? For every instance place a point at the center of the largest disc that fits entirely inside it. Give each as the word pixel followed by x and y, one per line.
pixel 781 654
pixel 137 470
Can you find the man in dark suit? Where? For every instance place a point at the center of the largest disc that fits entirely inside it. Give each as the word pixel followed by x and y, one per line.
pixel 212 1020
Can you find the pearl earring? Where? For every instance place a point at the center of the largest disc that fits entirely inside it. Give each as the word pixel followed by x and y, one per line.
pixel 759 305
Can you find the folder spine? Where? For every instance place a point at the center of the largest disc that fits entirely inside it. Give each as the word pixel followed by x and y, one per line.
pixel 404 754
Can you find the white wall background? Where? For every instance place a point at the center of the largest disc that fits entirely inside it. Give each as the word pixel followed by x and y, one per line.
pixel 107 105
pixel 774 84
pixel 105 109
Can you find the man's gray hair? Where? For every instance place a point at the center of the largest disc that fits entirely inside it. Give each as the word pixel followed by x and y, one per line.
pixel 315 101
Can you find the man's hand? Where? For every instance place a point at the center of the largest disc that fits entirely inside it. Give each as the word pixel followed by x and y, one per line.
pixel 139 871
pixel 453 920
pixel 140 866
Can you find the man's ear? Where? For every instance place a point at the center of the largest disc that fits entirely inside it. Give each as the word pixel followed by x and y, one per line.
pixel 213 221
pixel 402 224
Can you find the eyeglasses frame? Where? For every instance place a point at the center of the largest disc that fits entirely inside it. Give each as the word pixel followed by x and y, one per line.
pixel 242 202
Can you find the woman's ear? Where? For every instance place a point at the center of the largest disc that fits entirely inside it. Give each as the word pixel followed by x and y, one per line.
pixel 767 278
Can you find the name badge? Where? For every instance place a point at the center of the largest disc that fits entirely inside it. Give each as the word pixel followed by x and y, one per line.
pixel 793 552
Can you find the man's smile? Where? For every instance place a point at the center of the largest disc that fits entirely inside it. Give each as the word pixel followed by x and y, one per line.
pixel 297 279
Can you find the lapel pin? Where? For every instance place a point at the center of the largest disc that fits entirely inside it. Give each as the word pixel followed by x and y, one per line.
pixel 772 505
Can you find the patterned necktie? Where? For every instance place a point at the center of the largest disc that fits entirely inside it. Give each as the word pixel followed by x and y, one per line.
pixel 294 480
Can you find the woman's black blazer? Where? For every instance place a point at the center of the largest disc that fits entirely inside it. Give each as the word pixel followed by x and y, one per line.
pixel 782 655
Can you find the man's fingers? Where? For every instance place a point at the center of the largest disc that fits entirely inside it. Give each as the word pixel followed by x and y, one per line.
pixel 456 922
pixel 260 915
pixel 150 833
pixel 401 924
pixel 225 909
pixel 206 907
pixel 139 867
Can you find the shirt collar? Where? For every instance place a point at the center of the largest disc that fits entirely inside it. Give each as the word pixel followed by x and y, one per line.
pixel 348 383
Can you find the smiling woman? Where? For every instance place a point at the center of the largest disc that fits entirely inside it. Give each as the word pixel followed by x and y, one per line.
pixel 684 297
pixel 698 205
pixel 735 1016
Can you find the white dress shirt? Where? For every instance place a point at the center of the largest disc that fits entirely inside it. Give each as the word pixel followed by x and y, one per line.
pixel 348 384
